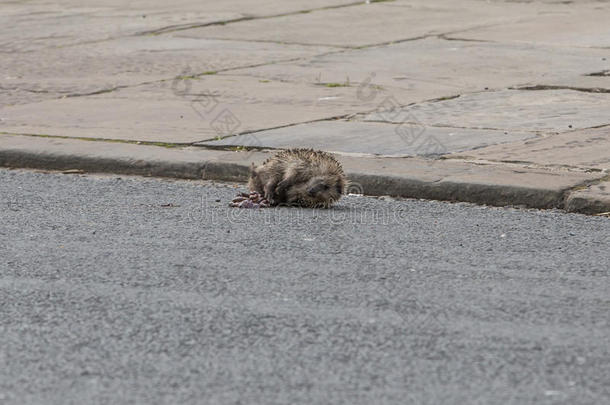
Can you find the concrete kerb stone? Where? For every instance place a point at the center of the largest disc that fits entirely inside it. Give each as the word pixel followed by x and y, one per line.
pixel 594 199
pixel 411 177
pixel 479 193
pixel 190 163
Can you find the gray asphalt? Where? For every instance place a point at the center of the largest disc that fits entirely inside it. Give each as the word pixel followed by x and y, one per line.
pixel 130 290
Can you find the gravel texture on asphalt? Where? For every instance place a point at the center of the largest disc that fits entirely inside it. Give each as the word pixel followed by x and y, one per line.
pixel 131 290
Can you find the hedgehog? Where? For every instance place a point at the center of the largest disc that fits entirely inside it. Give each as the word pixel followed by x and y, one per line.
pixel 301 177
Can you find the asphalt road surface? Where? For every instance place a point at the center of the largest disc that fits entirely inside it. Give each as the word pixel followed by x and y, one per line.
pixel 117 290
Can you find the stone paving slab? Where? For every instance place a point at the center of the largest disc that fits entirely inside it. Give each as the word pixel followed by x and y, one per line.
pixel 374 138
pixel 516 110
pixel 587 28
pixel 368 24
pixel 585 149
pixel 594 199
pixel 442 68
pixel 404 177
pixel 189 111
pixel 106 65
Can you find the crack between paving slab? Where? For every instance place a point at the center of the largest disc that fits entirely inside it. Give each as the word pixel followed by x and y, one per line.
pixel 603 73
pixel 230 148
pixel 344 48
pixel 184 27
pixel 593 127
pixel 341 48
pixel 253 131
pixel 254 65
pixel 432 100
pixel 529 43
pixel 270 41
pixel 488 25
pixel 522 163
pixel 541 87
pixel 26 90
pixel 447 38
pixel 101 91
pixel 124 141
pixel 537 132
pixel 112 89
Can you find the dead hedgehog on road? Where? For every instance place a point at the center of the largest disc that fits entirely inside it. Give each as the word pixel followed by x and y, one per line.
pixel 302 177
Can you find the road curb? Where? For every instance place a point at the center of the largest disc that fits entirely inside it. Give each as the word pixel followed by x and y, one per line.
pixel 593 199
pixel 479 193
pixel 497 185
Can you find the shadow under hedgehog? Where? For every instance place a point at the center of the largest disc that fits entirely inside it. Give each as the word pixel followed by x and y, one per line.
pixel 301 177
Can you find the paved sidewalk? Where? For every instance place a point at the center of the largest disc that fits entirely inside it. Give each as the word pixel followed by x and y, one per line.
pixel 494 102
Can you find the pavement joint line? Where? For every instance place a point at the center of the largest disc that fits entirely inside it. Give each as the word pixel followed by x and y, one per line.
pixel 270 41
pixel 603 73
pixel 254 65
pixel 397 41
pixel 82 138
pixel 537 132
pixel 102 91
pixel 519 163
pixel 447 38
pixel 26 90
pixel 63 46
pixel 254 131
pixel 543 87
pixel 340 48
pixel 489 25
pixel 184 27
pixel 196 144
pixel 576 129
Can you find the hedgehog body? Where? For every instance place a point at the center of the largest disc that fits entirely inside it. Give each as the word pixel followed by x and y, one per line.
pixel 302 177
